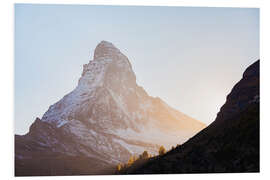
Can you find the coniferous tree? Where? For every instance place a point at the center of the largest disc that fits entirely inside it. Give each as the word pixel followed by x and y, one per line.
pixel 145 155
pixel 130 161
pixel 119 167
pixel 162 150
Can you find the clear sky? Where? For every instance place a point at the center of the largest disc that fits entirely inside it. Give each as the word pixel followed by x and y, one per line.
pixel 189 57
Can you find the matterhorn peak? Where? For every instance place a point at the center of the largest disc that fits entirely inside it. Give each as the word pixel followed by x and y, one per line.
pixel 107 117
pixel 106 43
pixel 105 49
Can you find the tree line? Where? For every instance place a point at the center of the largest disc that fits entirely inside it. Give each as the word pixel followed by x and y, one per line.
pixel 141 158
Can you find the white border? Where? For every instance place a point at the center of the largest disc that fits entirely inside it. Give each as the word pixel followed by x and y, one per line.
pixel 208 3
pixel 7 79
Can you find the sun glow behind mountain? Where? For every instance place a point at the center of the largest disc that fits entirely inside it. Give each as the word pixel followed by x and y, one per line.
pixel 108 117
pixel 174 54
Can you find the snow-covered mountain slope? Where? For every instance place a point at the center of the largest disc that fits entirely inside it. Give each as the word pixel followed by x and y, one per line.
pixel 107 116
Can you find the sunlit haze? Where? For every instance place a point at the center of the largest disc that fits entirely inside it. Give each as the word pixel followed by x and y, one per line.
pixel 189 57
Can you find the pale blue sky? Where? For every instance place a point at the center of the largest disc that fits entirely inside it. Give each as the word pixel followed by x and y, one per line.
pixel 189 57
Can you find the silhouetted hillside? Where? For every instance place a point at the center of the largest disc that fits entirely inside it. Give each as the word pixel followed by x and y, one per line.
pixel 229 144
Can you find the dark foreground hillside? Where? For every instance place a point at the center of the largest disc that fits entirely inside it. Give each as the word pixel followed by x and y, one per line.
pixel 60 165
pixel 229 144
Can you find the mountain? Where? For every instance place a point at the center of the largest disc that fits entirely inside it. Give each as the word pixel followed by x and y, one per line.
pixel 102 122
pixel 229 144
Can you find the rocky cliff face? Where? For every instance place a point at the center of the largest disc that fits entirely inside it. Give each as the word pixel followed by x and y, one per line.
pixel 107 116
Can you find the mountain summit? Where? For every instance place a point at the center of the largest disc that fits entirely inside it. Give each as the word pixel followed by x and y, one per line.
pixel 105 49
pixel 107 118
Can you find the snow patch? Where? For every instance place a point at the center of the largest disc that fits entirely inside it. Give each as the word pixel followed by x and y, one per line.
pixel 61 123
